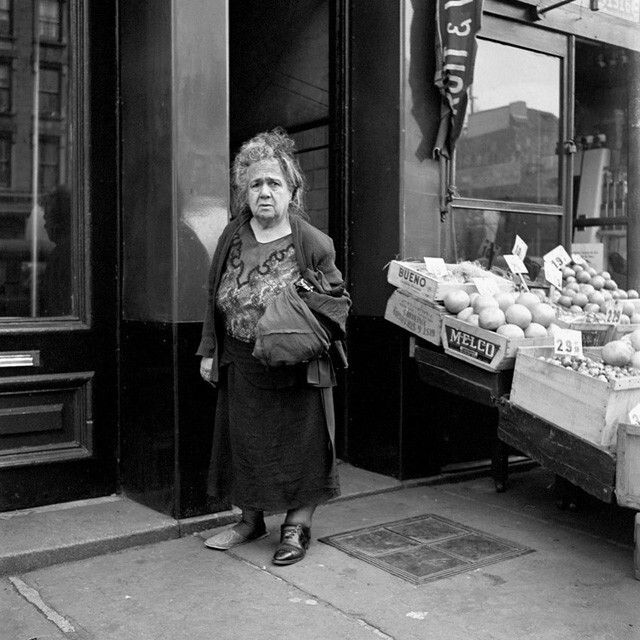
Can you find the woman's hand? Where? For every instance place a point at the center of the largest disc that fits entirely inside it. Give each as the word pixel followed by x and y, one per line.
pixel 205 369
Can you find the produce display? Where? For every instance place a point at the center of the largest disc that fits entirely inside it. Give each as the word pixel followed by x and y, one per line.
pixel 595 368
pixel 513 314
pixel 587 293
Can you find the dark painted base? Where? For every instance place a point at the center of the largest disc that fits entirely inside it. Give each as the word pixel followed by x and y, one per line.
pixel 397 424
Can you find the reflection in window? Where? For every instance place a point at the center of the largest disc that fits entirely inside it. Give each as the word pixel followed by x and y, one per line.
pixel 49 168
pixel 5 160
pixel 5 86
pixel 36 223
pixel 49 19
pixel 487 235
pixel 508 149
pixel 5 17
pixel 49 92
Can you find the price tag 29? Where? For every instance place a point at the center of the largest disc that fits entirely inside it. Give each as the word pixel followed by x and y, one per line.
pixel 567 342
pixel 613 311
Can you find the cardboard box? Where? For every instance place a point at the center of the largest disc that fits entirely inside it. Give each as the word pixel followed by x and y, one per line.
pixel 628 466
pixel 485 349
pixel 585 406
pixel 413 278
pixel 422 318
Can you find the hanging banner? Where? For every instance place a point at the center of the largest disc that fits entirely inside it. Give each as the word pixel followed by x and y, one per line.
pixel 457 23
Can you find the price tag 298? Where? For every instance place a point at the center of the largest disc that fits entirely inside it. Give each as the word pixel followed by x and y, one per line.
pixel 567 342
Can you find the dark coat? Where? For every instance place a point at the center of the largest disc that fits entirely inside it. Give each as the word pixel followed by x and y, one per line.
pixel 314 252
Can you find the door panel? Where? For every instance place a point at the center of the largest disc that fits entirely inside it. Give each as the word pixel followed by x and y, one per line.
pixel 58 252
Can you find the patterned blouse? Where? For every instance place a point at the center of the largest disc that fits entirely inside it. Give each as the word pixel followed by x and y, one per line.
pixel 254 274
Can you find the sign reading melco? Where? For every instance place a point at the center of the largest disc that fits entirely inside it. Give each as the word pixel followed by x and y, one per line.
pixel 470 345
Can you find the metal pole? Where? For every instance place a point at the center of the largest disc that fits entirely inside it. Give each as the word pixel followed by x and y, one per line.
pixel 633 208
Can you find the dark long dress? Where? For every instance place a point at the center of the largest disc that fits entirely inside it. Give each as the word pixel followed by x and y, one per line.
pixel 271 448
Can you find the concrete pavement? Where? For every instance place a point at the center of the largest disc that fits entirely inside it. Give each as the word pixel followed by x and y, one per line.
pixel 577 584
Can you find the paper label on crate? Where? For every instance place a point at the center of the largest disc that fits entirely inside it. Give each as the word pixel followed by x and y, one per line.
pixel 558 256
pixel 515 264
pixel 436 267
pixel 470 345
pixel 634 415
pixel 519 248
pixel 613 311
pixel 486 286
pixel 552 274
pixel 567 342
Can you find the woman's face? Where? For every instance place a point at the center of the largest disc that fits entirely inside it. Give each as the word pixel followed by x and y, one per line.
pixel 268 192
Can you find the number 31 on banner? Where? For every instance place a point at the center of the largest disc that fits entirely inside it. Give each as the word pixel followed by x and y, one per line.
pixel 567 342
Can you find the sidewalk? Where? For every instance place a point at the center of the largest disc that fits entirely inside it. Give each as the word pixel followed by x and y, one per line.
pixel 577 583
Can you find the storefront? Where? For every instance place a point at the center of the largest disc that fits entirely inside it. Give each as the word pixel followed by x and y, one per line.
pixel 139 107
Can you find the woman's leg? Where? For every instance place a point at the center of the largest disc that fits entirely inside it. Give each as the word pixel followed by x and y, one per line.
pixel 295 536
pixel 250 527
pixel 302 515
pixel 250 523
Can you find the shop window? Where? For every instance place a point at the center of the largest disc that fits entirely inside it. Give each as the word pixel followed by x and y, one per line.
pixel 5 86
pixel 49 95
pixel 39 233
pixel 601 171
pixel 5 18
pixel 509 161
pixel 50 20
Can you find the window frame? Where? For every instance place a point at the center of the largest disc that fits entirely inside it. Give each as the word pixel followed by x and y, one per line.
pixel 523 36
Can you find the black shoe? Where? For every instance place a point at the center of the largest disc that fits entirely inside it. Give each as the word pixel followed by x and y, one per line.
pixel 294 542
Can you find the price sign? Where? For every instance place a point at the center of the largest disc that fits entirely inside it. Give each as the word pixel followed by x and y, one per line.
pixel 578 259
pixel 436 266
pixel 553 275
pixel 558 256
pixel 567 342
pixel 515 264
pixel 613 311
pixel 519 248
pixel 634 415
pixel 486 286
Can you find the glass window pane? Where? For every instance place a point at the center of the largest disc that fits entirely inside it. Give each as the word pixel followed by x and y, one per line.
pixel 487 235
pixel 37 231
pixel 508 149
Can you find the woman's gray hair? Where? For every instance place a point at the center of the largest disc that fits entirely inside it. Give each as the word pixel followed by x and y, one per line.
pixel 268 145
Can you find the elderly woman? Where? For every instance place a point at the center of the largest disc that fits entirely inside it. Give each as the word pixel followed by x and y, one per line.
pixel 273 436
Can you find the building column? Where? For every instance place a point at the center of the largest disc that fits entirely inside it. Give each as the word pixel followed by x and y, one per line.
pixel 174 176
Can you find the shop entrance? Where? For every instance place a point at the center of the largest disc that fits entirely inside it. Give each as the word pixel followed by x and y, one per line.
pixel 283 65
pixel 58 253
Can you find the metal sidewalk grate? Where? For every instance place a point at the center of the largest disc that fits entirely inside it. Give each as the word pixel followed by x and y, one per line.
pixel 425 548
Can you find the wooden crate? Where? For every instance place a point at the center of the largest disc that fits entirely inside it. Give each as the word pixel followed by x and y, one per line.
pixel 412 277
pixel 590 408
pixel 621 330
pixel 485 349
pixel 422 318
pixel 594 334
pixel 628 466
